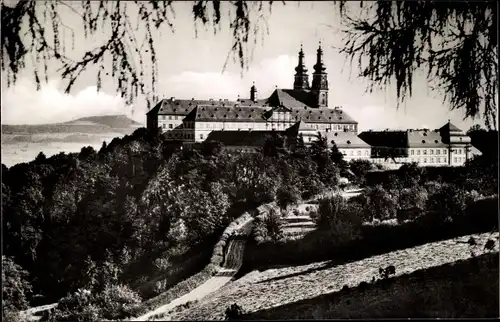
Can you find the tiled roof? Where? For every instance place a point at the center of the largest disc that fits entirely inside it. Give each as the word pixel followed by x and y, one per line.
pixel 183 107
pixel 294 100
pixel 450 127
pixel 232 113
pixel 425 139
pixel 390 139
pixel 346 140
pixel 242 138
pixel 259 102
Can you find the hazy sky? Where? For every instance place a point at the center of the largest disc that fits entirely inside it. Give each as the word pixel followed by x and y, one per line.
pixel 191 67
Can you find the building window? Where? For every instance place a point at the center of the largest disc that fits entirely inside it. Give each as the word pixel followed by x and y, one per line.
pixel 412 152
pixel 164 126
pixel 176 117
pixel 201 136
pixel 455 159
pixel 170 117
pixel 418 152
pixel 432 160
pixel 359 153
pixel 170 126
pixel 432 151
pixel 437 151
pixel 425 152
pixel 351 153
pixel 366 153
pixel 425 160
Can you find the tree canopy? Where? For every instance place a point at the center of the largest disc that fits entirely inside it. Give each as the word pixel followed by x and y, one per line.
pixel 454 43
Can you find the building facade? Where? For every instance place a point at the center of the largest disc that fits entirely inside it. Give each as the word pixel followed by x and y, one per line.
pixel 304 111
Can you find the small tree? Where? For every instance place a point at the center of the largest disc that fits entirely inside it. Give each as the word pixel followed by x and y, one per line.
pixel 450 202
pixel 379 204
pixel 287 195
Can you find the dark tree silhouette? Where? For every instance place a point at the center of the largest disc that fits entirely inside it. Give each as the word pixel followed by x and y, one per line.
pixel 128 42
pixel 455 43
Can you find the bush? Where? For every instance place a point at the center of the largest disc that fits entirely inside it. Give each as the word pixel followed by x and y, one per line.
pixel 287 195
pixel 15 287
pixel 379 204
pixel 342 220
pixel 411 203
pixel 234 312
pixel 117 302
pixel 114 302
pixel 450 202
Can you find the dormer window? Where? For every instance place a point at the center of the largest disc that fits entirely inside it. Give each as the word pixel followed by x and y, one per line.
pixel 423 141
pixel 435 141
pixel 348 142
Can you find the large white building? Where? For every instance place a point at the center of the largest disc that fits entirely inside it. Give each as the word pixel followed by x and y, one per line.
pixel 304 111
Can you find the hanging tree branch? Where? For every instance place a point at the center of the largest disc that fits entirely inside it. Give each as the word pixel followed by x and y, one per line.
pixel 455 42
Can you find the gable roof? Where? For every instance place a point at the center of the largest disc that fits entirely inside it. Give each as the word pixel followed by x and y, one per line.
pixel 242 138
pixel 345 140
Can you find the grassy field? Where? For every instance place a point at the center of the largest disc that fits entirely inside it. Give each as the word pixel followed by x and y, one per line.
pixel 464 289
pixel 259 291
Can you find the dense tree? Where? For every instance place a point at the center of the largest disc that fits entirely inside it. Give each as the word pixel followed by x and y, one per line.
pixel 340 219
pixel 379 204
pixel 455 44
pixel 16 289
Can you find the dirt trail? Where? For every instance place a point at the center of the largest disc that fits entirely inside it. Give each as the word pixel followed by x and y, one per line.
pixel 233 262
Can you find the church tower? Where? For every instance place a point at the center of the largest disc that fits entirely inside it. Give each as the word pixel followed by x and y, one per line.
pixel 301 78
pixel 320 81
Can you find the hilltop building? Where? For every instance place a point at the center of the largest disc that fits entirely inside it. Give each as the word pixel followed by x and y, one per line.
pixel 242 125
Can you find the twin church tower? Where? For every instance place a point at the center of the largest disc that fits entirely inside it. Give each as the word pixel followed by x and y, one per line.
pixel 319 87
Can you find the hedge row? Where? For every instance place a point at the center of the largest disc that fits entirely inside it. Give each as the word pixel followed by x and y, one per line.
pixel 199 278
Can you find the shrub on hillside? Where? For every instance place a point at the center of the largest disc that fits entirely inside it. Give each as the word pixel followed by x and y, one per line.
pixel 410 174
pixel 342 220
pixel 114 302
pixel 234 312
pixel 360 168
pixel 411 203
pixel 380 204
pixel 15 287
pixel 268 227
pixel 432 187
pixel 450 202
pixel 287 195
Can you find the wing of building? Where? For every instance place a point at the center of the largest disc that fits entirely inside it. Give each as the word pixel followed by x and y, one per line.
pixel 302 111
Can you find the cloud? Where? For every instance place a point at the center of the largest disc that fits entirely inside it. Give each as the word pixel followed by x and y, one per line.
pixel 22 104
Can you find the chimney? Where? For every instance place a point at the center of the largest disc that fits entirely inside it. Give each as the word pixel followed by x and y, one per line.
pixel 253 93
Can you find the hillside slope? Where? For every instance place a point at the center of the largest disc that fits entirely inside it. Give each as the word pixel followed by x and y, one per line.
pixel 258 291
pixel 92 125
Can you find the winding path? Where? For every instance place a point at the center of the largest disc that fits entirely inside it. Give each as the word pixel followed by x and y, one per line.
pixel 232 263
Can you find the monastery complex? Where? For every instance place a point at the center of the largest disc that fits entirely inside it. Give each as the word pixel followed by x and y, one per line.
pixel 242 125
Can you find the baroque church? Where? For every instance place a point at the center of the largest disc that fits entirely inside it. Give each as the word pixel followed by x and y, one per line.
pixel 242 125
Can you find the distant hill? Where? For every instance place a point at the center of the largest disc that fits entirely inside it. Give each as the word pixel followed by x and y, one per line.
pixel 90 125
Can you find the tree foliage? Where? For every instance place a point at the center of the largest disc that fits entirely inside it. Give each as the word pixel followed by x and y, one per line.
pixel 39 31
pixel 455 44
